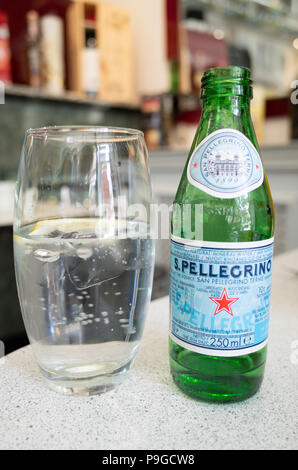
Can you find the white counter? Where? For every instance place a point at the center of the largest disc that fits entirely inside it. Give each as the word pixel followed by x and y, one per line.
pixel 148 411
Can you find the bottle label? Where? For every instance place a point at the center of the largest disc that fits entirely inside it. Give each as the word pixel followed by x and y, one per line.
pixel 220 296
pixel 225 164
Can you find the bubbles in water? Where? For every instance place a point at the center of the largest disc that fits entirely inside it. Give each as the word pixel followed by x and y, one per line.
pixel 93 283
pixel 76 309
pixel 46 256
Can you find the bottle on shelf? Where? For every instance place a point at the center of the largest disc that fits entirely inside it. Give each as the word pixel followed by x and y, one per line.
pixel 5 65
pixel 151 107
pixel 91 67
pixel 33 48
pixel 52 53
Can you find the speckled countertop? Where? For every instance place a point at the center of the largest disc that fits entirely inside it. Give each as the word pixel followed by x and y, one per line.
pixel 148 411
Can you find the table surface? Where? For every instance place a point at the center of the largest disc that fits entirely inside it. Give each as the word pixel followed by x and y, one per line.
pixel 148 411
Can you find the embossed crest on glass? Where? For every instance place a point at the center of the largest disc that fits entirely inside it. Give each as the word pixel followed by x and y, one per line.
pixel 84 254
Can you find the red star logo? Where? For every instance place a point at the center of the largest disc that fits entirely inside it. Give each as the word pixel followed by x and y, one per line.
pixel 195 165
pixel 223 303
pixel 257 166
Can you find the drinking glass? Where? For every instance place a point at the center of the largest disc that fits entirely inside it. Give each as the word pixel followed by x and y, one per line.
pixel 84 252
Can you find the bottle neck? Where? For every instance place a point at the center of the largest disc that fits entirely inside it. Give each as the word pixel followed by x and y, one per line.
pixel 226 109
pixel 226 94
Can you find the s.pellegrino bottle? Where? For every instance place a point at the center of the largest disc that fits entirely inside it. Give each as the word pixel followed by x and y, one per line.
pixel 221 249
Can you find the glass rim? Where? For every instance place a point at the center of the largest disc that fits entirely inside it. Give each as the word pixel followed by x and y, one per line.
pixel 100 132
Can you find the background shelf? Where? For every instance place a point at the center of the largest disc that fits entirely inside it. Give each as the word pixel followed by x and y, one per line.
pixel 67 97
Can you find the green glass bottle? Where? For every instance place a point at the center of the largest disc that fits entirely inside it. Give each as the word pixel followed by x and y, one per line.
pixel 221 249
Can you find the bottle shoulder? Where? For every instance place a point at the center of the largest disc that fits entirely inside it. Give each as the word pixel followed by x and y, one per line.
pixel 224 175
pixel 249 217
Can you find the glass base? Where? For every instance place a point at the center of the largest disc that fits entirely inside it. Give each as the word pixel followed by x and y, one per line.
pixel 87 386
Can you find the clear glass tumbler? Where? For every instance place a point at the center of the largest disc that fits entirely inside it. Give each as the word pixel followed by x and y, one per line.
pixel 84 253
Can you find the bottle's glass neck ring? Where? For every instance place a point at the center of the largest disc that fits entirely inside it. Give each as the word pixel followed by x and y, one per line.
pixel 226 81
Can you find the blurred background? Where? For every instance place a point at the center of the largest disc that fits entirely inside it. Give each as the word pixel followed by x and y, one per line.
pixel 138 63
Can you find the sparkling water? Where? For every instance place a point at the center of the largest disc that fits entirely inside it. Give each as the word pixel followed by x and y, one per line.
pixel 84 286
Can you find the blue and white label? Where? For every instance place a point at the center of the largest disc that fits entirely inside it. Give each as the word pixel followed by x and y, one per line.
pixel 226 165
pixel 220 296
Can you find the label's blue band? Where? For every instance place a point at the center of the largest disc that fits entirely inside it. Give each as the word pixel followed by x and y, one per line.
pixel 220 297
